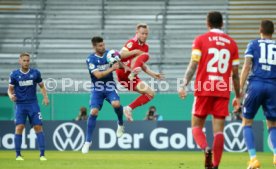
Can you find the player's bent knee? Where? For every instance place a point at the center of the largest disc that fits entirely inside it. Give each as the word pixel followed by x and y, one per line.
pixel 19 128
pixel 38 128
pixel 115 104
pixel 94 112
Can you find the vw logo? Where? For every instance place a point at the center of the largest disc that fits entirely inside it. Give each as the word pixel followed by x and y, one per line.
pixel 68 136
pixel 234 141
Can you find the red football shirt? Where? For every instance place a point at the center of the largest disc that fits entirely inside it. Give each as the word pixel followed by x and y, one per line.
pixel 133 44
pixel 216 53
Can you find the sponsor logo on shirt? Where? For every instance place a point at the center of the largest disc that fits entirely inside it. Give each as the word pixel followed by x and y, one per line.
pixel 26 83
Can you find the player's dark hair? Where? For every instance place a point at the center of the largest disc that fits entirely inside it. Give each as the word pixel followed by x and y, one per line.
pixel 141 25
pixel 24 54
pixel 96 39
pixel 214 19
pixel 267 27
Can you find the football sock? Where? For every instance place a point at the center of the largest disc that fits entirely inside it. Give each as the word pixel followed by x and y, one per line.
pixel 91 124
pixel 249 141
pixel 141 100
pixel 199 137
pixel 119 112
pixel 272 134
pixel 140 61
pixel 41 142
pixel 218 148
pixel 18 142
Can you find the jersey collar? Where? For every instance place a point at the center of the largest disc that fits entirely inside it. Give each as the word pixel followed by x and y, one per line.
pixel 216 30
pixel 25 72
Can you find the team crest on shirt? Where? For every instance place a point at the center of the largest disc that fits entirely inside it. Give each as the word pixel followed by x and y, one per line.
pixel 31 76
pixel 91 66
pixel 129 45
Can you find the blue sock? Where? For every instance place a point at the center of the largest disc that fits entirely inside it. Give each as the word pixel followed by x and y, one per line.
pixel 272 134
pixel 249 140
pixel 18 142
pixel 41 142
pixel 91 124
pixel 119 112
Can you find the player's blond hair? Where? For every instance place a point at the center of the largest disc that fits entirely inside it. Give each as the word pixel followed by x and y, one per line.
pixel 142 25
pixel 24 54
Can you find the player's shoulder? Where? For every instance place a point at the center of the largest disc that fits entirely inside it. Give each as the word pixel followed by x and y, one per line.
pixel 90 57
pixel 14 72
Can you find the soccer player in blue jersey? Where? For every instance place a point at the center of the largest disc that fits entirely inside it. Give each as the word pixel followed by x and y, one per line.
pixel 22 91
pixel 103 88
pixel 260 59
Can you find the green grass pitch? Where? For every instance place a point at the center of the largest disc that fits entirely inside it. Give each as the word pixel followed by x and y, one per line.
pixel 125 160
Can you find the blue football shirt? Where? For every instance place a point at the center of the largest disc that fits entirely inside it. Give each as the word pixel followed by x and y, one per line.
pixel 25 85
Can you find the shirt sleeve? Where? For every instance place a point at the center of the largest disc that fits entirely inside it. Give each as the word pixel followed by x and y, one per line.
pixel 38 78
pixel 91 65
pixel 12 80
pixel 196 50
pixel 236 60
pixel 128 46
pixel 249 50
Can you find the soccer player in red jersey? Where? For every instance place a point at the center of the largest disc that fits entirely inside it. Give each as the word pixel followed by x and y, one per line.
pixel 215 60
pixel 134 54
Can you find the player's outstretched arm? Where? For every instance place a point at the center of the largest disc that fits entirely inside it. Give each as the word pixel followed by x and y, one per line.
pixel 125 53
pixel 11 93
pixel 100 74
pixel 187 78
pixel 245 72
pixel 155 75
pixel 43 90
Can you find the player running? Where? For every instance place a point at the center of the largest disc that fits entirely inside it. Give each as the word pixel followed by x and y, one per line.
pixel 260 57
pixel 215 59
pixel 103 88
pixel 135 55
pixel 22 91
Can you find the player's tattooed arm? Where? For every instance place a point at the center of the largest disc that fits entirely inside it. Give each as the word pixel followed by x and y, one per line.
pixel 245 72
pixel 190 72
pixel 236 80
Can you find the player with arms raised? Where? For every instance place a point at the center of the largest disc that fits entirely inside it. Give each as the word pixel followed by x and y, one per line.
pixel 22 91
pixel 103 88
pixel 215 59
pixel 260 57
pixel 135 55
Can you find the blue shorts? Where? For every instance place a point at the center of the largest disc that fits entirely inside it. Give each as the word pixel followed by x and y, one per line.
pixel 260 94
pixel 97 98
pixel 30 111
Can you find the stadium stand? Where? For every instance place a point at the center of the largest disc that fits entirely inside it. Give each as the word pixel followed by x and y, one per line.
pixel 58 33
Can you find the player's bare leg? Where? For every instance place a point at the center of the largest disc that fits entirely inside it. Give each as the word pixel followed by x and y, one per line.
pixel 271 125
pixel 18 141
pixel 147 95
pixel 119 111
pixel 200 138
pixel 218 127
pixel 136 65
pixel 91 124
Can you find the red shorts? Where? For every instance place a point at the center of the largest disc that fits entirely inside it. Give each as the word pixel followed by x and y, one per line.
pixel 204 105
pixel 124 81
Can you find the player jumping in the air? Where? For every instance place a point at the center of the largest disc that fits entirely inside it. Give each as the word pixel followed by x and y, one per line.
pixel 135 55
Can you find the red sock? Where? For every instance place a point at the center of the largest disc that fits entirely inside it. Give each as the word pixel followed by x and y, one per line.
pixel 140 61
pixel 199 137
pixel 218 148
pixel 141 100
